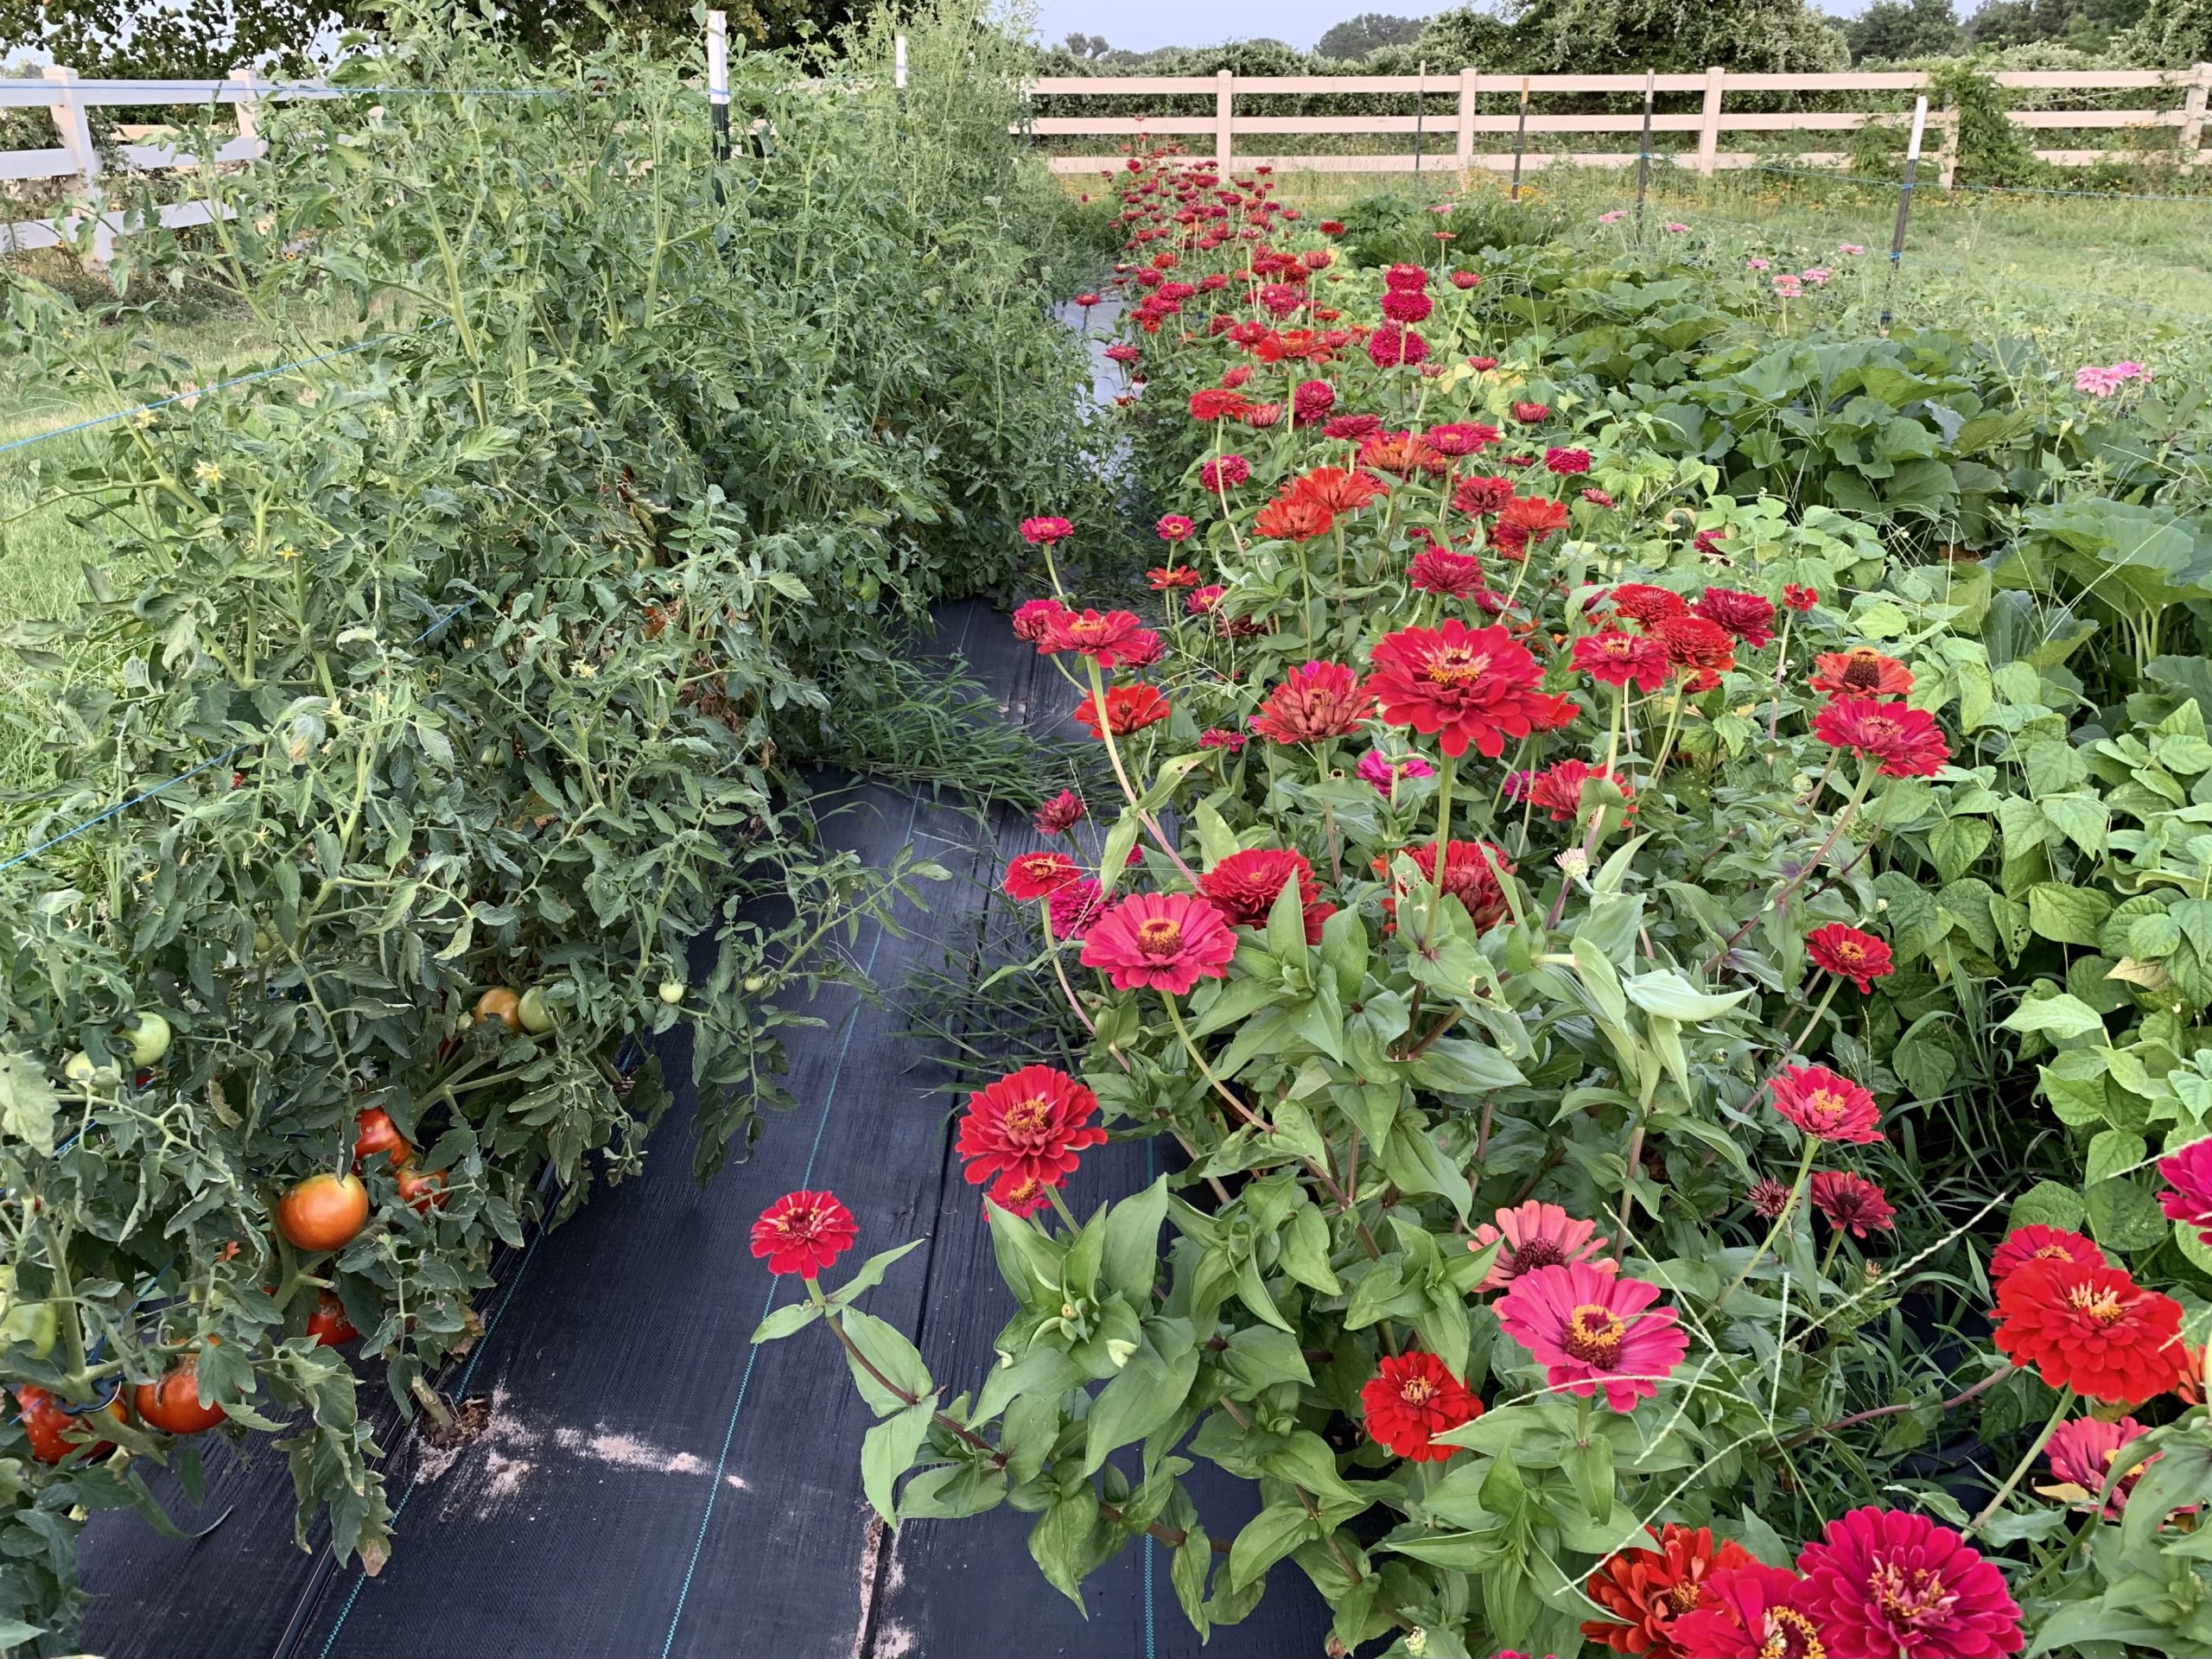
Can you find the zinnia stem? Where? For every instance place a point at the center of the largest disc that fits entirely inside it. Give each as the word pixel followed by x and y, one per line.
pixel 1788 1209
pixel 1827 997
pixel 2020 1469
pixel 1060 969
pixel 1060 1206
pixel 1121 776
pixel 1175 1018
pixel 1781 668
pixel 1781 895
pixel 1445 774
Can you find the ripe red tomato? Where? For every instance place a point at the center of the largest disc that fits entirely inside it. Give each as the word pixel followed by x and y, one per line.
pixel 323 1212
pixel 46 1420
pixel 375 1132
pixel 419 1190
pixel 329 1325
pixel 172 1405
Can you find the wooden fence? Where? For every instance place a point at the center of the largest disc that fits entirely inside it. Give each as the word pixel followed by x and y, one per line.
pixel 1453 134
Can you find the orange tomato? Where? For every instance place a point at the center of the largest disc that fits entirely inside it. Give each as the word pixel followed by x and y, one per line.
pixel 419 1190
pixel 323 1212
pixel 502 1004
pixel 172 1405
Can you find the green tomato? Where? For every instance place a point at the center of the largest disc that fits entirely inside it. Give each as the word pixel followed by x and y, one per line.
pixel 150 1038
pixel 34 1324
pixel 755 982
pixel 671 991
pixel 535 1017
pixel 80 1069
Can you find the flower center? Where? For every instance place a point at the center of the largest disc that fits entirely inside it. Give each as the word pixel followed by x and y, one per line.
pixel 1593 1334
pixel 1684 1594
pixel 1089 629
pixel 1159 935
pixel 1538 1253
pixel 1417 1391
pixel 1790 1634
pixel 2102 1306
pixel 2054 1253
pixel 1914 1596
pixel 1879 729
pixel 1864 672
pixel 1457 665
pixel 801 1226
pixel 1824 1103
pixel 1027 1120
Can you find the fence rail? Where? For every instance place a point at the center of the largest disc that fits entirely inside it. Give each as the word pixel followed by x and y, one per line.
pixel 1463 124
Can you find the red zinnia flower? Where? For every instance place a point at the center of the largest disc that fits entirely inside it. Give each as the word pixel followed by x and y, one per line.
pixel 1851 1203
pixel 1174 527
pixel 1849 954
pixel 1616 657
pixel 1824 1103
pixel 1749 1611
pixel 1590 1330
pixel 1033 619
pixel 1888 1581
pixel 2187 1175
pixel 1862 671
pixel 1291 518
pixel 1457 438
pixel 1907 741
pixel 1471 869
pixel 1031 1125
pixel 1225 473
pixel 1411 1398
pixel 1334 489
pixel 1039 875
pixel 1107 638
pixel 1482 365
pixel 1404 277
pixel 1168 941
pixel 1703 647
pixel 1164 579
pixel 1244 886
pixel 1042 532
pixel 1128 708
pixel 2094 1330
pixel 1768 1198
pixel 1468 686
pixel 1558 788
pixel 1407 305
pixel 803 1233
pixel 2036 1242
pixel 1532 414
pixel 1438 571
pixel 1215 403
pixel 1567 463
pixel 1310 401
pixel 1800 598
pixel 1641 602
pixel 1598 498
pixel 1020 1195
pixel 1480 496
pixel 1352 428
pixel 1393 344
pixel 1647 1590
pixel 1314 702
pixel 1403 454
pixel 1060 814
pixel 1747 616
pixel 1464 280
pixel 1535 516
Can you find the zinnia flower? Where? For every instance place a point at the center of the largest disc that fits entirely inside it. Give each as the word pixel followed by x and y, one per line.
pixel 1020 1195
pixel 1618 657
pixel 1849 954
pixel 1039 875
pixel 1891 1582
pixel 803 1233
pixel 1224 473
pixel 1030 1125
pixel 1410 1399
pixel 1407 305
pixel 1128 708
pixel 1471 869
pixel 1768 1198
pixel 1352 428
pixel 1641 602
pixel 1747 616
pixel 1073 908
pixel 1852 1204
pixel 1748 1611
pixel 1060 814
pixel 1335 490
pixel 1312 401
pixel 1313 703
pixel 2082 1454
pixel 1799 598
pixel 1647 1590
pixel 1402 454
pixel 2094 1330
pixel 1042 532
pixel 1458 438
pixel 1379 769
pixel 1862 671
pixel 1693 642
pixel 1468 686
pixel 1478 497
pixel 1292 519
pixel 2034 1242
pixel 1538 1235
pixel 1590 1329
pixel 1220 737
pixel 1033 619
pixel 1107 638
pixel 1174 527
pixel 1165 579
pixel 1165 941
pixel 1438 570
pixel 1244 885
pixel 1532 414
pixel 1821 1102
pixel 1393 344
pixel 1907 741
pixel 1217 404
pixel 2187 1175
pixel 1566 463
pixel 1558 788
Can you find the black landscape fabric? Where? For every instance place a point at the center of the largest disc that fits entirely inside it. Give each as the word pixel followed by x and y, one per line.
pixel 649 1483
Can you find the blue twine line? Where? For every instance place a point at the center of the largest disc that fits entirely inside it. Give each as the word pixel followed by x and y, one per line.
pixel 120 806
pixel 221 385
pixel 1980 189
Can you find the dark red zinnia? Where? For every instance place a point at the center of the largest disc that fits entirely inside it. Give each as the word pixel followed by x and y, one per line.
pixel 1849 954
pixel 1245 885
pixel 1413 1398
pixel 803 1233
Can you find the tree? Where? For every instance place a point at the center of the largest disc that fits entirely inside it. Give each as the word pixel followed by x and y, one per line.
pixel 1586 36
pixel 1896 29
pixel 1355 37
pixel 2090 25
pixel 1093 47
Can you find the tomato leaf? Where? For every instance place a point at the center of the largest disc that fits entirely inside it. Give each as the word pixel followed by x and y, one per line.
pixel 27 1104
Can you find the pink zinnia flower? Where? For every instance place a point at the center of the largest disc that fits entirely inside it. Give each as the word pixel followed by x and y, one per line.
pixel 1590 1329
pixel 1224 473
pixel 1059 815
pixel 1457 438
pixel 1907 741
pixel 2187 1175
pixel 1888 1581
pixel 1827 1104
pixel 1042 532
pixel 1174 527
pixel 1112 637
pixel 1033 619
pixel 1852 1204
pixel 1538 1235
pixel 1316 702
pixel 1379 769
pixel 1438 570
pixel 803 1233
pixel 1074 908
pixel 1165 941
pixel 2082 1454
pixel 1567 463
pixel 1393 344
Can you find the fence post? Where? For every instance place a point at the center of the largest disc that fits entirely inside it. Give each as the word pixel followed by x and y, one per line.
pixel 1465 153
pixel 1520 138
pixel 69 120
pixel 1946 152
pixel 1421 111
pixel 1708 132
pixel 1644 155
pixel 1904 204
pixel 249 117
pixel 2192 115
pixel 1224 98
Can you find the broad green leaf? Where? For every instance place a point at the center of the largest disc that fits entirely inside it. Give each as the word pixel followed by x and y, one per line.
pixel 28 1104
pixel 2061 1016
pixel 1663 991
pixel 888 1451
